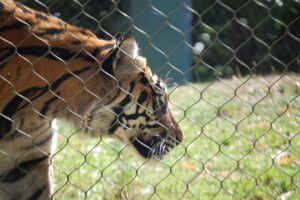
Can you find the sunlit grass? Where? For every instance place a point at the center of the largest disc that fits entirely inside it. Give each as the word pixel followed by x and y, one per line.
pixel 242 140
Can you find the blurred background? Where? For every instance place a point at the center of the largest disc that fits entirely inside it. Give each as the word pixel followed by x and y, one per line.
pixel 235 91
pixel 196 40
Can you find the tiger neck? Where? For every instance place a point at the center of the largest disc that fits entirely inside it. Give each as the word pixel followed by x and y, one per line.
pixel 59 58
pixel 39 29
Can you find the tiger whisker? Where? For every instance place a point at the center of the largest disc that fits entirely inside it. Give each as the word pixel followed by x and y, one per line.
pixel 161 148
pixel 167 74
pixel 158 149
pixel 164 149
pixel 166 81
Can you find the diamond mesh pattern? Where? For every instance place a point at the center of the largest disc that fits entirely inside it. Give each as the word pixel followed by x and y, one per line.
pixel 242 125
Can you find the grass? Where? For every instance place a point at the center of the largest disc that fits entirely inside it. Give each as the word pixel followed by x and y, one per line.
pixel 242 141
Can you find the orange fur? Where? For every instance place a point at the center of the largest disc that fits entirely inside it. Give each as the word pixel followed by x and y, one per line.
pixel 50 69
pixel 33 71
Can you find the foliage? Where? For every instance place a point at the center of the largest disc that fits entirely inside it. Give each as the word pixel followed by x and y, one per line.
pixel 247 148
pixel 246 37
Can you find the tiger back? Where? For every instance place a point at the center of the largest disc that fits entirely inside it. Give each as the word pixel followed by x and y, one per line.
pixel 52 70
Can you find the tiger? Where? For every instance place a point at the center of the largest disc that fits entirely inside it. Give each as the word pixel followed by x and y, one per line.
pixel 50 70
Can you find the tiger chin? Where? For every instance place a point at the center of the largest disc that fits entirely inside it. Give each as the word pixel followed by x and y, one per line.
pixel 52 70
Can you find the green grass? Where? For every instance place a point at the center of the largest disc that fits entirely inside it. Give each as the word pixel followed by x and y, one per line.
pixel 242 141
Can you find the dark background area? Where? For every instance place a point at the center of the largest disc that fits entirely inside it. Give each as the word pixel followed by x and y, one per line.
pixel 259 37
pixel 104 17
pixel 236 37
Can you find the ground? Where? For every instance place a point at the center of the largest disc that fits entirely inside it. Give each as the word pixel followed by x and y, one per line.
pixel 242 140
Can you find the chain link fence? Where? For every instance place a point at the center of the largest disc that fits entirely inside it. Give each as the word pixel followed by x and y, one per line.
pixel 235 87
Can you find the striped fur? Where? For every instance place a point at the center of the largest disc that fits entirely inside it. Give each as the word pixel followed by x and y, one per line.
pixel 53 70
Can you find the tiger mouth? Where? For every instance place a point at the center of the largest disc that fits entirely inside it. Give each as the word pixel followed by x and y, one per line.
pixel 157 147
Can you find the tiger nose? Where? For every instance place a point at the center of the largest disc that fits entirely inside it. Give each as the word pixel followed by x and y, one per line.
pixel 179 136
pixel 177 132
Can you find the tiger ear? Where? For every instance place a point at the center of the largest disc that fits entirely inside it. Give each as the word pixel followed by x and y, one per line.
pixel 128 62
pixel 128 47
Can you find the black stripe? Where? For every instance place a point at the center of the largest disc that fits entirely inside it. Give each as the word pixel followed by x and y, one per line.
pixel 119 110
pixel 32 94
pixel 40 16
pixel 131 86
pixel 142 146
pixel 61 53
pixel 17 25
pixel 23 8
pixel 11 52
pixel 116 96
pixel 107 64
pixel 132 116
pixel 32 128
pixel 148 126
pixel 20 171
pixel 11 108
pixel 50 31
pixel 38 91
pixel 45 108
pixel 39 143
pixel 125 101
pixel 64 77
pixel 54 85
pixel 115 123
pixel 135 116
pixel 162 106
pixel 101 48
pixel 143 96
pixel 44 51
pixel 77 42
pixel 36 194
pixel 113 127
pixel 84 32
pixel 144 80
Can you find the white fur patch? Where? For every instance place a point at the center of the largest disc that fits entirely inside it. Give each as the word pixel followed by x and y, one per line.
pixel 130 48
pixel 54 126
pixel 135 51
pixel 155 79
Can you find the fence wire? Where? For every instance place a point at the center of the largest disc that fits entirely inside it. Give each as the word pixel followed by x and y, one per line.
pixel 237 102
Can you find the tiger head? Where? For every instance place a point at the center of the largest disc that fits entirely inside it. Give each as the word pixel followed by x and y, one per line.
pixel 139 114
